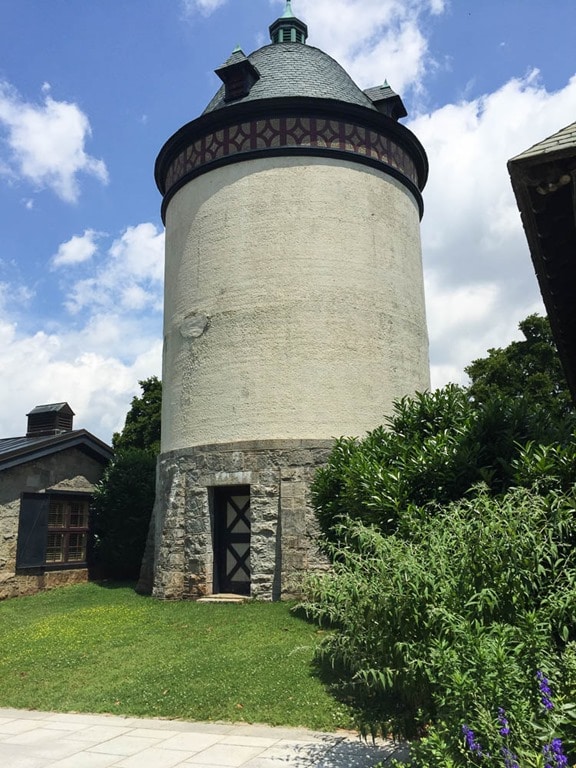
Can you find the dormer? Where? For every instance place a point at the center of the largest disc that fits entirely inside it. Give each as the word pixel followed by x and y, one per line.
pixel 386 101
pixel 51 419
pixel 238 75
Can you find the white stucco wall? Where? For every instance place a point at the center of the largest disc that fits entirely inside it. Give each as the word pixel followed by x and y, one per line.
pixel 294 302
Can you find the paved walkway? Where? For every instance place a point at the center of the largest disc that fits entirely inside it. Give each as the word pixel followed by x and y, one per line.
pixel 49 740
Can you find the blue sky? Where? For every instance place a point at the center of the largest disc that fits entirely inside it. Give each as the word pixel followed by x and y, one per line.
pixel 89 92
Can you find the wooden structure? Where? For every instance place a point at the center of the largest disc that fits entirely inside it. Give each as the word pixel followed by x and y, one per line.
pixel 544 182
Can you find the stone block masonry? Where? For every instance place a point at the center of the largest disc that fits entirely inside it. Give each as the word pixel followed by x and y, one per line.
pixel 283 525
pixel 69 471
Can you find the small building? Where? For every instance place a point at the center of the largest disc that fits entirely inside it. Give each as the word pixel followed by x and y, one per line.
pixel 46 482
pixel 544 182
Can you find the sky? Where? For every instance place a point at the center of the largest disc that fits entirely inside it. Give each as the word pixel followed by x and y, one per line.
pixel 91 89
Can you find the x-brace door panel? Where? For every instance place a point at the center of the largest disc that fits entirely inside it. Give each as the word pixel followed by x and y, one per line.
pixel 232 539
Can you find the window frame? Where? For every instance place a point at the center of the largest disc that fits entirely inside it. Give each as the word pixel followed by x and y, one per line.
pixel 34 531
pixel 67 530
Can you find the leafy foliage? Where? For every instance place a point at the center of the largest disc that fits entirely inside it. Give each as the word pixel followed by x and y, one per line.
pixel 451 531
pixel 142 425
pixel 436 446
pixel 123 502
pixel 448 618
pixel 124 498
pixel 528 369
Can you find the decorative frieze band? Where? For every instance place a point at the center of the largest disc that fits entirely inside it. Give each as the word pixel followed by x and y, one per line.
pixel 289 132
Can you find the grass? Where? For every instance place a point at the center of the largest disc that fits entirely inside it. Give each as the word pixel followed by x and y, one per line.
pixel 93 648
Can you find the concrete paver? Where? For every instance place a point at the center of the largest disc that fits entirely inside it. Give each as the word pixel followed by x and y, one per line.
pixel 55 740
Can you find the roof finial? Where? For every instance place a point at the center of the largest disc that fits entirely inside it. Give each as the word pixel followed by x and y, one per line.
pixel 288 28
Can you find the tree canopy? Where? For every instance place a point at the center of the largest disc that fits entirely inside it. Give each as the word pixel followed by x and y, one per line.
pixel 142 425
pixel 124 499
pixel 529 369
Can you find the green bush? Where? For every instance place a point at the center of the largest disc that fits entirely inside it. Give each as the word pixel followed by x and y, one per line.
pixel 124 498
pixel 123 503
pixel 435 448
pixel 448 618
pixel 546 467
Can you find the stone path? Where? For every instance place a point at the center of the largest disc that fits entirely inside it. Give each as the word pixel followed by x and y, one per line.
pixel 49 740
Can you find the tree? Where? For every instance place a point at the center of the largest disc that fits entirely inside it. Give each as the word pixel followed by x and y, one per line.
pixel 142 425
pixel 124 498
pixel 528 369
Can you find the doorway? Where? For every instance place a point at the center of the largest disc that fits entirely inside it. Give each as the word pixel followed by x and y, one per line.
pixel 232 539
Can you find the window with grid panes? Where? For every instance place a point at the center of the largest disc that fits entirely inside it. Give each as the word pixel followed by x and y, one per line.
pixel 67 530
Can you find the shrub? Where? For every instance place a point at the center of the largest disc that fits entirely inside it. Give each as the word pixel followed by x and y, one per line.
pixel 123 502
pixel 446 619
pixel 435 448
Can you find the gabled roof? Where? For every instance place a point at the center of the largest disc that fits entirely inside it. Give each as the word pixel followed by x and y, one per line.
pixel 386 101
pixel 562 142
pixel 20 450
pixel 544 182
pixel 52 408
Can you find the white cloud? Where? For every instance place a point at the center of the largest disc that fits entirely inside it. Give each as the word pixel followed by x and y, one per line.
pixel 14 296
pixel 95 360
pixel 47 143
pixel 78 249
pixel 141 251
pixel 205 7
pixel 99 385
pixel 480 279
pixel 130 277
pixel 374 40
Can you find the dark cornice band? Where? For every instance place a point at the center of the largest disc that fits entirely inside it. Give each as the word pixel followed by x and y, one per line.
pixel 291 127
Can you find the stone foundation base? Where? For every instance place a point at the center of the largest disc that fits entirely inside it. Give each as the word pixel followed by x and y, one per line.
pixel 179 559
pixel 28 582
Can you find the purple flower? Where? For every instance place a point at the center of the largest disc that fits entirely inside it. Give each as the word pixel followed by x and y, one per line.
pixel 510 759
pixel 545 692
pixel 503 722
pixel 554 755
pixel 471 742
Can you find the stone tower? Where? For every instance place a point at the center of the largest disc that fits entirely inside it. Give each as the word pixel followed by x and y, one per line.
pixel 294 308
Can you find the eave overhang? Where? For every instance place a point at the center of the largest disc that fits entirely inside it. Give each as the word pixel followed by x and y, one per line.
pixel 179 160
pixel 545 188
pixel 33 449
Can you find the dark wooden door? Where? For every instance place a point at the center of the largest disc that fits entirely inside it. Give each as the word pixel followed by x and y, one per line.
pixel 232 539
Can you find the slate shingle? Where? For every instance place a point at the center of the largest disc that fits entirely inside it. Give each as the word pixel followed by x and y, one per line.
pixel 295 69
pixel 562 140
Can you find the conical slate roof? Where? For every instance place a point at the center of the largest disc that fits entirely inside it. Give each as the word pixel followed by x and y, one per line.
pixel 253 112
pixel 295 69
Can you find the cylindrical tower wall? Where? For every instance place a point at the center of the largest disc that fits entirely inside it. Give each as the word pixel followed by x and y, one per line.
pixel 294 302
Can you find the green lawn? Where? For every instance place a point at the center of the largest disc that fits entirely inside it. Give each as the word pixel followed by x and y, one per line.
pixel 92 648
